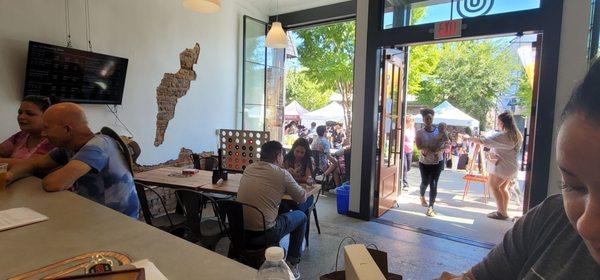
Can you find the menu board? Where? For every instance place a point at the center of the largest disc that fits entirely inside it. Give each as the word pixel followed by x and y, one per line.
pixel 74 75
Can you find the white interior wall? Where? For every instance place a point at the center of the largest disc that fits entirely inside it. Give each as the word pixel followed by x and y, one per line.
pixel 573 65
pixel 151 34
pixel 358 114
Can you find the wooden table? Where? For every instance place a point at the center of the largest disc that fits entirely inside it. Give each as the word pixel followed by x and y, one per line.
pixel 201 181
pixel 78 226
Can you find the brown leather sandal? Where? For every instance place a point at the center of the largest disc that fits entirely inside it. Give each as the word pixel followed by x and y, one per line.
pixel 497 216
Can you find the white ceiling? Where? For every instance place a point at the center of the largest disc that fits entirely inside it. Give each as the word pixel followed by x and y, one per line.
pixel 286 6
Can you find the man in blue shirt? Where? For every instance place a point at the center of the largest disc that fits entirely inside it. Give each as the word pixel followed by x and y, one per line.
pixel 93 164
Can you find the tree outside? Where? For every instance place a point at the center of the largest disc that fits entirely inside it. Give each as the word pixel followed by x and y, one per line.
pixel 469 74
pixel 326 54
pixel 309 93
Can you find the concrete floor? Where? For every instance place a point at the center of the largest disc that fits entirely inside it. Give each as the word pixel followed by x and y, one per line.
pixel 455 217
pixel 412 254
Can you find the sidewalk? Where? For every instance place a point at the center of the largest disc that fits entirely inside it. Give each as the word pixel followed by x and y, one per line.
pixel 455 217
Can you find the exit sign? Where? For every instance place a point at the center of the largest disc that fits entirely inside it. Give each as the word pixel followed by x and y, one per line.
pixel 448 29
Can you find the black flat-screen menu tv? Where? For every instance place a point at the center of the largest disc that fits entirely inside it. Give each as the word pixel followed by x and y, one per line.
pixel 74 75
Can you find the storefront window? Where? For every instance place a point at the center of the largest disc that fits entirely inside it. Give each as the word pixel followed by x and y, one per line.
pixel 399 13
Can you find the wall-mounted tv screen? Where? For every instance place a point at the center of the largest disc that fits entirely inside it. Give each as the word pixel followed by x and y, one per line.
pixel 74 75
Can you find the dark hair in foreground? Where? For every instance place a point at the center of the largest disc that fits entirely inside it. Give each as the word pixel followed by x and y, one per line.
pixel 42 102
pixel 427 111
pixel 586 97
pixel 270 150
pixel 290 158
pixel 321 130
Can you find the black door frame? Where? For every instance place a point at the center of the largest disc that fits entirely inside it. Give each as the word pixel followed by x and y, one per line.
pixel 546 20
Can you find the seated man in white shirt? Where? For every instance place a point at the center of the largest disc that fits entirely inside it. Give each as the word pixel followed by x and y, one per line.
pixel 263 185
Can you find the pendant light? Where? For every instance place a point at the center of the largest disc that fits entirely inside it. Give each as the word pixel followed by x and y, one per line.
pixel 203 6
pixel 276 37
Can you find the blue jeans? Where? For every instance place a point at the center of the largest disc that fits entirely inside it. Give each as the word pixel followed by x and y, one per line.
pixel 293 223
pixel 289 205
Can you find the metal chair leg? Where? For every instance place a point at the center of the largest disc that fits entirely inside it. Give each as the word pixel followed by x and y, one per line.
pixel 316 220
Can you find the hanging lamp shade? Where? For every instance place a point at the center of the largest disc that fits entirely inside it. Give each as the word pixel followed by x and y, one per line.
pixel 276 37
pixel 203 6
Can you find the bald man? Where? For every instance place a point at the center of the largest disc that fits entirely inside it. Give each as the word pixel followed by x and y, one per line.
pixel 92 163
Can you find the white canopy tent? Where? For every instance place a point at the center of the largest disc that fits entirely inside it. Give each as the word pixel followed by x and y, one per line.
pixel 294 111
pixel 332 112
pixel 450 115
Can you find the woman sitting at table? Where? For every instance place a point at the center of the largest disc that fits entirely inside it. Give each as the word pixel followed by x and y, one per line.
pixel 299 163
pixel 28 142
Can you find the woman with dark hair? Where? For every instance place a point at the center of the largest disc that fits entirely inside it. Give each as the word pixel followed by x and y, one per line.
pixel 502 161
pixel 560 238
pixel 28 142
pixel 298 161
pixel 430 160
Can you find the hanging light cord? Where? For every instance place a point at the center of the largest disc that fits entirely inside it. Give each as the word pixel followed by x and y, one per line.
pixel 67 24
pixel 88 30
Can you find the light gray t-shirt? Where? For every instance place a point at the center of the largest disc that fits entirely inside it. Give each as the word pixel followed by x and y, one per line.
pixel 541 245
pixel 263 185
pixel 429 140
pixel 504 152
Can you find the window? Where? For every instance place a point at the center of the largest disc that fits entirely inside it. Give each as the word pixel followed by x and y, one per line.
pixel 262 93
pixel 399 13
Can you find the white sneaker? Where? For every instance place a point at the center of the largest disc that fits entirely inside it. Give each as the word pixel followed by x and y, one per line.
pixel 294 269
pixel 430 212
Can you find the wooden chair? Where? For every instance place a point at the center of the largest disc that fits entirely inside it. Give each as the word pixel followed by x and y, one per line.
pixel 170 222
pixel 480 177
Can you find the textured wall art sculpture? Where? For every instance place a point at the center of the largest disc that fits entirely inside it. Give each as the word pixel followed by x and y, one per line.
pixel 171 88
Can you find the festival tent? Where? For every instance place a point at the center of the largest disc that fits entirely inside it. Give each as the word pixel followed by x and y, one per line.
pixel 332 112
pixel 450 115
pixel 294 111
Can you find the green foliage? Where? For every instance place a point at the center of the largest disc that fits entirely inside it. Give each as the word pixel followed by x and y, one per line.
pixel 469 74
pixel 306 91
pixel 416 14
pixel 416 154
pixel 524 93
pixel 327 53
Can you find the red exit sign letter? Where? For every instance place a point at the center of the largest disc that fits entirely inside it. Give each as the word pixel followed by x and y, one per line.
pixel 448 29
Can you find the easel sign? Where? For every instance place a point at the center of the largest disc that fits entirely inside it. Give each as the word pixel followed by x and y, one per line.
pixel 480 176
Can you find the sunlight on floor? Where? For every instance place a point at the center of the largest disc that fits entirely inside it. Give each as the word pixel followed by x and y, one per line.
pixel 439 216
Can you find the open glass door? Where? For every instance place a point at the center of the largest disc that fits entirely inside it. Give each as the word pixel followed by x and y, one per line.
pixel 263 81
pixel 390 128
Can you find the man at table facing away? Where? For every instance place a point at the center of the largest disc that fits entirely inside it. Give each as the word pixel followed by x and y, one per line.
pixel 93 164
pixel 262 185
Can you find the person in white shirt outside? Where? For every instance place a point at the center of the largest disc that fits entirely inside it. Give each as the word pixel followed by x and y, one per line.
pixel 502 161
